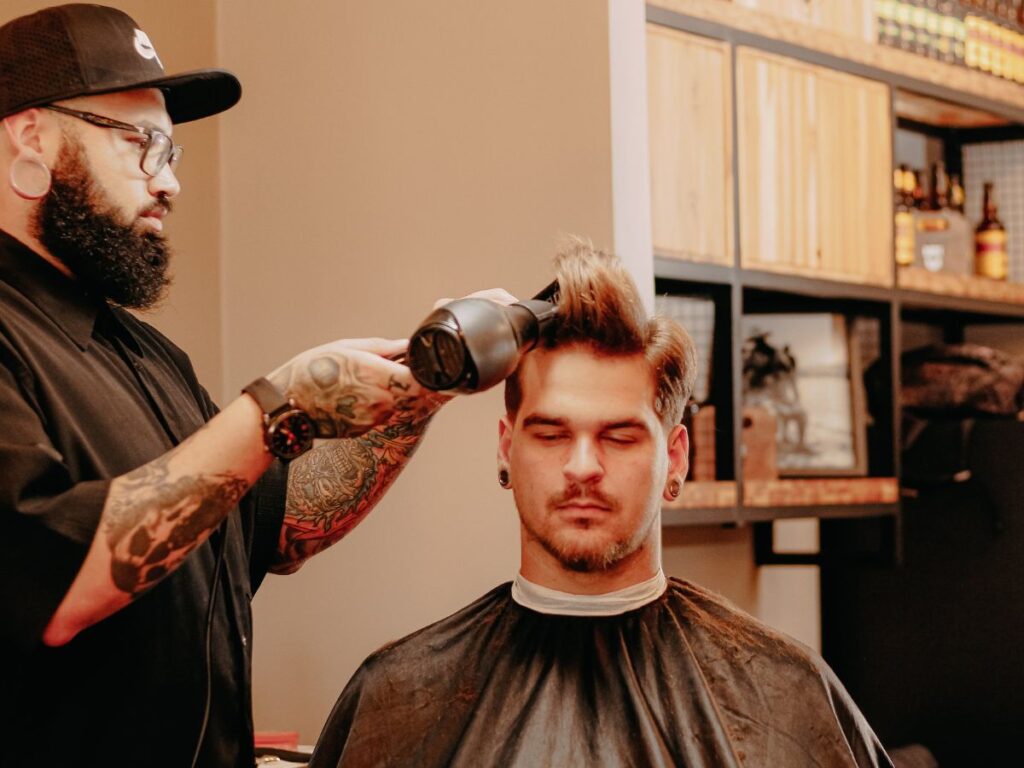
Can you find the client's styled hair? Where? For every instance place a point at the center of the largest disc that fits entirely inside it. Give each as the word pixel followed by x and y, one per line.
pixel 599 307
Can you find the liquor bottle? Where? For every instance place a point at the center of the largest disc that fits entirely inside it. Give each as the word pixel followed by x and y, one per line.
pixel 918 196
pixel 959 33
pixel 905 19
pixel 1017 41
pixel 931 223
pixel 993 38
pixel 985 36
pixel 928 19
pixel 920 15
pixel 990 256
pixel 957 197
pixel 972 42
pixel 944 239
pixel 959 256
pixel 904 217
pixel 885 22
pixel 939 199
pixel 946 31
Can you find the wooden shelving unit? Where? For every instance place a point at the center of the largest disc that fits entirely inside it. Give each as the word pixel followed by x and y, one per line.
pixel 797 60
pixel 723 20
pixel 821 492
pixel 706 495
pixel 999 296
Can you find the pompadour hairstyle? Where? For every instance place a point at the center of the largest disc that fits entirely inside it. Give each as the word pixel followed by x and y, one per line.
pixel 599 307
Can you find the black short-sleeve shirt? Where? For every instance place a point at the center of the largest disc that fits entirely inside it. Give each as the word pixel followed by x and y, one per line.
pixel 87 393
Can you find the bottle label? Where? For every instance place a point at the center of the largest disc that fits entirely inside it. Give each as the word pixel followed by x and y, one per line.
pixel 933 224
pixel 904 238
pixel 933 256
pixel 990 259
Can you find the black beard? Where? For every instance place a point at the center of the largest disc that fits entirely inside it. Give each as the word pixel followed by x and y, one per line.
pixel 110 259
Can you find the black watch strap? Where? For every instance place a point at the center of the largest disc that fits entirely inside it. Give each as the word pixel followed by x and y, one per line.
pixel 288 431
pixel 269 398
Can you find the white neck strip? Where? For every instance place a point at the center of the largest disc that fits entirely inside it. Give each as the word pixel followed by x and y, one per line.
pixel 544 600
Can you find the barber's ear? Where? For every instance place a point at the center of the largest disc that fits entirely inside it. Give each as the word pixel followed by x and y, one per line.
pixel 24 131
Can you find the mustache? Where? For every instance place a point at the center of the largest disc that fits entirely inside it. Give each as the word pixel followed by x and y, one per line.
pixel 576 491
pixel 163 205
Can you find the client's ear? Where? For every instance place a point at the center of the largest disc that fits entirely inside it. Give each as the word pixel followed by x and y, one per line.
pixel 504 446
pixel 678 462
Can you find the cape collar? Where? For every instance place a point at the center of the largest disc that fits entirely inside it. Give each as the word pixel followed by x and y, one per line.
pixel 551 601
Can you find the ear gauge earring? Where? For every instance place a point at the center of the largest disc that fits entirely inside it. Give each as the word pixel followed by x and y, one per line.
pixel 29 178
pixel 503 478
pixel 675 487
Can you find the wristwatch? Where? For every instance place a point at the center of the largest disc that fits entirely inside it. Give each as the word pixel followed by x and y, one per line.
pixel 288 431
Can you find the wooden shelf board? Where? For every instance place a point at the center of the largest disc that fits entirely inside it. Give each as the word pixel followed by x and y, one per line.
pixel 967 293
pixel 670 268
pixel 820 492
pixel 706 495
pixel 714 503
pixel 789 282
pixel 675 268
pixel 767 31
pixel 918 288
pixel 925 109
pixel 811 273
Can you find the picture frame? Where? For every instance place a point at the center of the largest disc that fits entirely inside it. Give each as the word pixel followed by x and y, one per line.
pixel 805 369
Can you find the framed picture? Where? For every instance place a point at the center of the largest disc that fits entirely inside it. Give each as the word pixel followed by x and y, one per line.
pixel 805 370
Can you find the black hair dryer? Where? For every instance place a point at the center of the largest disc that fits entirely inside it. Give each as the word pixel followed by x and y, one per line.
pixel 469 345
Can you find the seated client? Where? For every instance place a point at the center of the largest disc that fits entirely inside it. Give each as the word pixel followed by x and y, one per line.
pixel 591 656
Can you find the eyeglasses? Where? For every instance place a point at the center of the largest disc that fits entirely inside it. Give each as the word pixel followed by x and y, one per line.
pixel 157 151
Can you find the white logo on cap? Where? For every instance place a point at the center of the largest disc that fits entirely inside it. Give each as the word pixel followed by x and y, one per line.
pixel 145 47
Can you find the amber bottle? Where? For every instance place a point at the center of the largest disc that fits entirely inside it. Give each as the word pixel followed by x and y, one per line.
pixel 990 256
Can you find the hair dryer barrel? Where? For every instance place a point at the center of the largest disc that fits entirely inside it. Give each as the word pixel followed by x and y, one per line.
pixel 470 345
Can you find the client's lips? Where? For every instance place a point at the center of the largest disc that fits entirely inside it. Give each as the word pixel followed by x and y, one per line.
pixel 584 504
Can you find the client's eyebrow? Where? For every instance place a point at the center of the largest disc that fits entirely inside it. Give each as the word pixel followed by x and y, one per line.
pixel 626 424
pixel 543 421
pixel 540 420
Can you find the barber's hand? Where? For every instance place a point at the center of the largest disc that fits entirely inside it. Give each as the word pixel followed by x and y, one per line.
pixel 348 387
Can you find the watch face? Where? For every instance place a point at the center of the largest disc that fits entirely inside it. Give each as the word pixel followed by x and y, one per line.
pixel 291 435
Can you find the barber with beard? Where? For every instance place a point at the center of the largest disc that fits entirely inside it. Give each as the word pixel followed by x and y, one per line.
pixel 136 520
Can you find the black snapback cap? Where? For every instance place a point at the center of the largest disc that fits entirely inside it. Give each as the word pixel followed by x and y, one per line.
pixel 79 49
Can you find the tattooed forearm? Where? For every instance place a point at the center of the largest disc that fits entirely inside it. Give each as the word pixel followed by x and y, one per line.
pixel 341 398
pixel 333 487
pixel 155 520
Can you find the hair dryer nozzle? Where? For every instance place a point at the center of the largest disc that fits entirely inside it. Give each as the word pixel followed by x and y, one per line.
pixel 470 345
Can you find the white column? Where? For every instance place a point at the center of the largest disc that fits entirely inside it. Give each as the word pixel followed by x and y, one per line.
pixel 631 183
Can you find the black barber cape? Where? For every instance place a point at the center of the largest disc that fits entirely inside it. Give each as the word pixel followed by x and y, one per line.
pixel 686 680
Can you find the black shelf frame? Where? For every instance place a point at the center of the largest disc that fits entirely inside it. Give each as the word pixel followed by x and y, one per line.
pixel 741 515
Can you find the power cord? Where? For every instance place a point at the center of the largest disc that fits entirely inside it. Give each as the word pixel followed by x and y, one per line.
pixel 209 643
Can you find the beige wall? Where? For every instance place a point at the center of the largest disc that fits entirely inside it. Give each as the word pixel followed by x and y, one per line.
pixel 384 155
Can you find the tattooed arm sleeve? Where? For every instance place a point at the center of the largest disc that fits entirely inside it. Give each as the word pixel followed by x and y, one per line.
pixel 334 486
pixel 159 513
